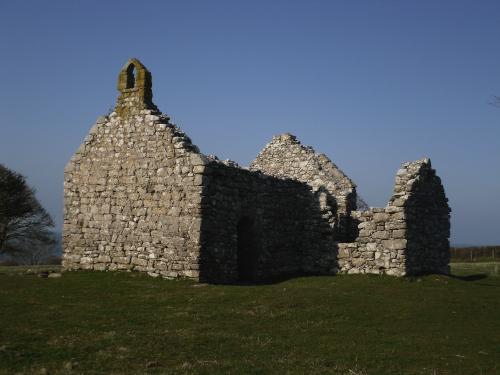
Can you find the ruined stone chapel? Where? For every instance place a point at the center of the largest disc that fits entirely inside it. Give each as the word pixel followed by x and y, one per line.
pixel 139 195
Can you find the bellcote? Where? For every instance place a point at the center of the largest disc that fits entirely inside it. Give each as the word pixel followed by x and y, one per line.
pixel 134 85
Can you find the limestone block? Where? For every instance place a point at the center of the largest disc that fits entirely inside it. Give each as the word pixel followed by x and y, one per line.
pixel 121 260
pixel 399 233
pixel 395 244
pixel 100 267
pixel 398 216
pixel 198 159
pixel 139 262
pixel 368 225
pixel 383 234
pixel 199 169
pixel 380 217
pixel 103 259
pixel 358 261
pixel 86 260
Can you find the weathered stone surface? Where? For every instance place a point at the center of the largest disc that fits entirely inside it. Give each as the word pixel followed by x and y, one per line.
pixel 139 195
pixel 286 157
pixel 414 236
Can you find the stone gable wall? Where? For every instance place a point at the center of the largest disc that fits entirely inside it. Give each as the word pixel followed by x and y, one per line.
pixel 132 193
pixel 286 157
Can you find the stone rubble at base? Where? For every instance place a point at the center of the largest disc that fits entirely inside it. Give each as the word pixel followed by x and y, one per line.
pixel 138 195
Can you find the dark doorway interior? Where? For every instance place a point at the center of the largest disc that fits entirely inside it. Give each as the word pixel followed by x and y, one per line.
pixel 247 255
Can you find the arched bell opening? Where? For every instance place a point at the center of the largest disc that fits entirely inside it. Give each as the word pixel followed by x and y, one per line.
pixel 131 76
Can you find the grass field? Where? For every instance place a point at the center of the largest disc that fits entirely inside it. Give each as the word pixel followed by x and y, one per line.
pixel 485 268
pixel 114 323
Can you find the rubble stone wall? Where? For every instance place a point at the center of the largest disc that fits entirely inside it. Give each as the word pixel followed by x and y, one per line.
pixel 427 215
pixel 132 192
pixel 287 234
pixel 407 237
pixel 132 198
pixel 286 157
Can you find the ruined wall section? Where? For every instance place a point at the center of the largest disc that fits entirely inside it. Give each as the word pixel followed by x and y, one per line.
pixel 427 216
pixel 408 236
pixel 286 157
pixel 380 247
pixel 138 195
pixel 288 235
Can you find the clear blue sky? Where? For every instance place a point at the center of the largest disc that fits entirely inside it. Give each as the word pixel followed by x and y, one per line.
pixel 370 83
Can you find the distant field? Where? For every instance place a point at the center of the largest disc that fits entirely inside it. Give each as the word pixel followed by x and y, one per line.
pixel 475 254
pixel 468 268
pixel 129 323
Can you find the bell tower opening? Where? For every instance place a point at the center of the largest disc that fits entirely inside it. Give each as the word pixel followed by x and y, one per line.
pixel 134 85
pixel 131 76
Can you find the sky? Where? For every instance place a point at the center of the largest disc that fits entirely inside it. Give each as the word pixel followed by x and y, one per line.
pixel 371 83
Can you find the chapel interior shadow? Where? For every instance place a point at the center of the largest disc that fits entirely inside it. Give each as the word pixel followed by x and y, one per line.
pixel 264 231
pixel 427 227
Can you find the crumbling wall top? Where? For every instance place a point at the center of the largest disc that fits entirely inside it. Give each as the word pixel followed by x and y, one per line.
pixel 285 156
pixel 410 177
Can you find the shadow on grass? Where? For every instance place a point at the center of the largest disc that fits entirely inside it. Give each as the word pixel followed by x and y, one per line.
pixel 475 277
pixel 264 281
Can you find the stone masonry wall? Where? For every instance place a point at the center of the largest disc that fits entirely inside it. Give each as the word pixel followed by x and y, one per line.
pixel 410 235
pixel 286 157
pixel 132 193
pixel 427 216
pixel 288 234
pixel 139 196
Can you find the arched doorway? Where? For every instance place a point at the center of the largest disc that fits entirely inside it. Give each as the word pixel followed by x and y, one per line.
pixel 247 254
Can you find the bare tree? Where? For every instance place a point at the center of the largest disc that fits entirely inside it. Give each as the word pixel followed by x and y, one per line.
pixel 25 226
pixel 496 101
pixel 34 254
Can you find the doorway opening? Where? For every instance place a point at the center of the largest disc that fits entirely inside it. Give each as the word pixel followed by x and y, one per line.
pixel 247 254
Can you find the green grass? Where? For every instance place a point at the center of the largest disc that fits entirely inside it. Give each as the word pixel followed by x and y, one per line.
pixel 114 323
pixel 6 270
pixel 486 268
